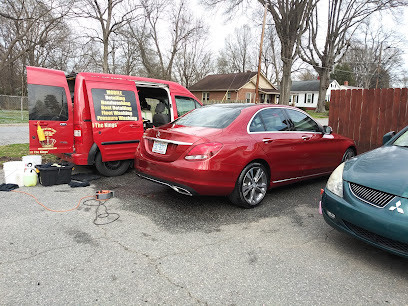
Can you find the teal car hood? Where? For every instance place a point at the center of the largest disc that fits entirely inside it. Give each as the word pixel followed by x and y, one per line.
pixel 384 169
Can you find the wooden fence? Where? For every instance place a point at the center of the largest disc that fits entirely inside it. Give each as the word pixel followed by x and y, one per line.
pixel 365 115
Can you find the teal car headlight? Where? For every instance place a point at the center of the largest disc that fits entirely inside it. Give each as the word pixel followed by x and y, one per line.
pixel 335 182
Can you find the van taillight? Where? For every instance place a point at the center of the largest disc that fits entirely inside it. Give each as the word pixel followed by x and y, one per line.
pixel 78 134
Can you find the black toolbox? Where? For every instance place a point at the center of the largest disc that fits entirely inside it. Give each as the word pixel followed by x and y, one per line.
pixel 54 174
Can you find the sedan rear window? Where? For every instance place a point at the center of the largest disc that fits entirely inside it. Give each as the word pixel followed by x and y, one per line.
pixel 212 117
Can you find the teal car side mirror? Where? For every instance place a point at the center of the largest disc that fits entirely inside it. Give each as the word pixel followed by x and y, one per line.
pixel 388 136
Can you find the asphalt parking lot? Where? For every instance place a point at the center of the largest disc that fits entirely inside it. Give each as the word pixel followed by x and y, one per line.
pixel 171 249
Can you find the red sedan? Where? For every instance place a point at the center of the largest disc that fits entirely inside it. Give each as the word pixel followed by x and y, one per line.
pixel 239 150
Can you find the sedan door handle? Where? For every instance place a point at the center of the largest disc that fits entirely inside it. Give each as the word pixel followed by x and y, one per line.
pixel 305 137
pixel 267 140
pixel 135 125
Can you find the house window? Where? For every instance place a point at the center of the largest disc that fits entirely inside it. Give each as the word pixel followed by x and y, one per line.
pixel 228 96
pixel 248 97
pixel 206 97
pixel 294 99
pixel 309 98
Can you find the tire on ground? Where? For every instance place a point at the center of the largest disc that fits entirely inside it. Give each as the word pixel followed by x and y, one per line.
pixel 251 186
pixel 111 168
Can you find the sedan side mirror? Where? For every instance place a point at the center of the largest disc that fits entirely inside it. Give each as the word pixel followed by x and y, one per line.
pixel 388 136
pixel 327 130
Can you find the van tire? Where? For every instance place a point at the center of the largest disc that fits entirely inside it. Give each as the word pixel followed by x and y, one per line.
pixel 111 168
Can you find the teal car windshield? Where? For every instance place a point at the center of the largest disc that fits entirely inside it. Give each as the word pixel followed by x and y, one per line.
pixel 402 141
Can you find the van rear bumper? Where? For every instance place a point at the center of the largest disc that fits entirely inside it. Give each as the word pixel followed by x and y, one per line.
pixel 77 159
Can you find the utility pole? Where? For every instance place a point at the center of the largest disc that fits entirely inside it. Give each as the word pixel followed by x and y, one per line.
pixel 260 57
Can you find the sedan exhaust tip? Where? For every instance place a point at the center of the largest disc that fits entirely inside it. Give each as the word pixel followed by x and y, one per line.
pixel 181 190
pixel 178 189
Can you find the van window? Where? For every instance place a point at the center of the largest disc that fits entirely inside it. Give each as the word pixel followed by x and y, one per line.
pixel 47 103
pixel 185 104
pixel 114 105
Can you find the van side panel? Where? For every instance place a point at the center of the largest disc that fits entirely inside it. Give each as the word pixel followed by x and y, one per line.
pixel 117 125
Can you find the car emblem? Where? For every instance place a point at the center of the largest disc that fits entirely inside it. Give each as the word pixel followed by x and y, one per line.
pixel 158 134
pixel 397 207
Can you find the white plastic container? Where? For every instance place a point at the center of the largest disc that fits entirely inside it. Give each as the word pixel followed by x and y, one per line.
pixel 14 172
pixel 30 177
pixel 33 159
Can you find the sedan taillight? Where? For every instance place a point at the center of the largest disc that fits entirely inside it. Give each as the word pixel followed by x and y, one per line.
pixel 204 151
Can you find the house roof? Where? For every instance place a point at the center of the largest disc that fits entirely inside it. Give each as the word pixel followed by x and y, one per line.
pixel 312 85
pixel 223 82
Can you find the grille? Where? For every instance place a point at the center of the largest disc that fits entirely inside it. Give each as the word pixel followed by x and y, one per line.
pixel 378 239
pixel 371 196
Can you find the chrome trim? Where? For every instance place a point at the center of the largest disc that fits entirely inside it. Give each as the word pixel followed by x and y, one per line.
pixel 169 141
pixel 300 177
pixel 175 188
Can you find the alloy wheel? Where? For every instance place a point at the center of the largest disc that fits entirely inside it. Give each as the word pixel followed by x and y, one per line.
pixel 254 185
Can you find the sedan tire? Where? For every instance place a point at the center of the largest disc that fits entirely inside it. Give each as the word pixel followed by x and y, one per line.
pixel 251 186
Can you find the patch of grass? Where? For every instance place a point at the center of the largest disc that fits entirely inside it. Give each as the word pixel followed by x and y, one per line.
pixel 318 115
pixel 15 152
pixel 13 116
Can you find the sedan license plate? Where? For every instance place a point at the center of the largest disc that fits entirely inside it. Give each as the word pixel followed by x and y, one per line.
pixel 159 147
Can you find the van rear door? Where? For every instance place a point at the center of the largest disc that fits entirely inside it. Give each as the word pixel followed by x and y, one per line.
pixel 50 112
pixel 117 124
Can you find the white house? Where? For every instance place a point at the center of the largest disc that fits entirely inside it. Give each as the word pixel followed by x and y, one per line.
pixel 306 93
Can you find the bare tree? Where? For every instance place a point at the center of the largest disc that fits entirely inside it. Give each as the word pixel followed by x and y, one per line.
pixel 111 15
pixel 374 55
pixel 30 33
pixel 159 49
pixel 194 62
pixel 344 16
pixel 307 75
pixel 290 20
pixel 238 51
pixel 271 63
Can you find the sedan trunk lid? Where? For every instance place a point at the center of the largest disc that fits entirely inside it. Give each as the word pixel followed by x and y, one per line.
pixel 170 142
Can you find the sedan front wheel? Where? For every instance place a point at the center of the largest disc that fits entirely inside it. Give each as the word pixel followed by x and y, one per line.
pixel 251 186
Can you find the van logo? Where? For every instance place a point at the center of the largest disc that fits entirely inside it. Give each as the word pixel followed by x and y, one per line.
pixel 158 134
pixel 49 142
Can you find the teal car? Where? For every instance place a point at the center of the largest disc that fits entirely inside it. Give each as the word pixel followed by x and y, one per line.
pixel 367 196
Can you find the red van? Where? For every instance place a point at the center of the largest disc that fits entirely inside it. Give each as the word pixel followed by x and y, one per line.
pixel 98 119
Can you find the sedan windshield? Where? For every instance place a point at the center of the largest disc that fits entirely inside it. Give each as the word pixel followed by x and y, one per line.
pixel 402 141
pixel 212 117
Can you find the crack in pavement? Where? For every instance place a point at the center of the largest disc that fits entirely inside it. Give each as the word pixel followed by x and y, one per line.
pixel 43 252
pixel 155 262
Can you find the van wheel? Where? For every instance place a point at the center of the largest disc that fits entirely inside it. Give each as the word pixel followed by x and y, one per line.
pixel 111 168
pixel 251 186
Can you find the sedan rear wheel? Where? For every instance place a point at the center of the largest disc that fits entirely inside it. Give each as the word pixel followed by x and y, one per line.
pixel 251 186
